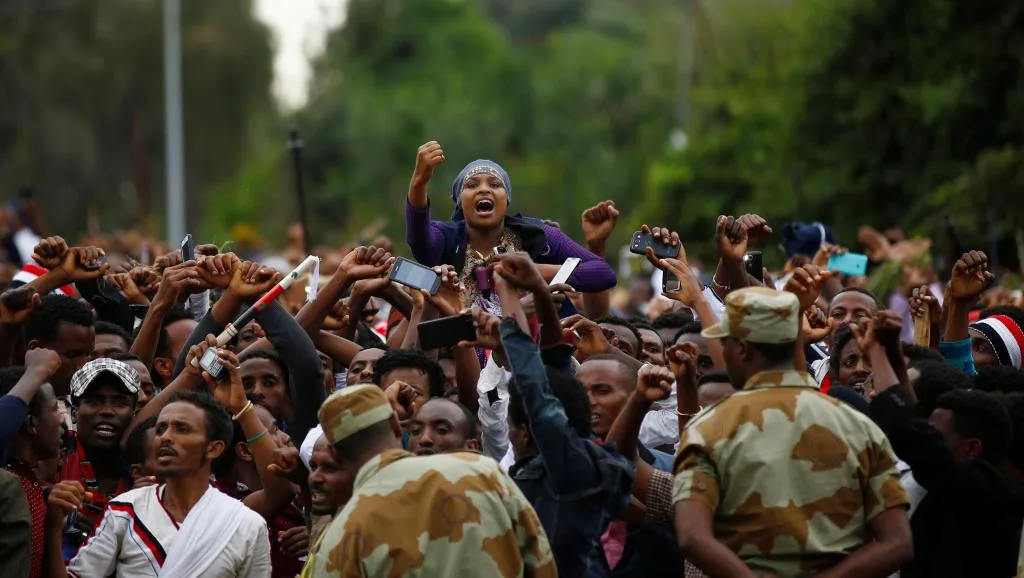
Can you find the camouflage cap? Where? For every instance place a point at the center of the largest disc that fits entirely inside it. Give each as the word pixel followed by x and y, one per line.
pixel 759 315
pixel 353 409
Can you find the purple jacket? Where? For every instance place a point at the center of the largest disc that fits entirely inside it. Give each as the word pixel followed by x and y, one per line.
pixel 436 243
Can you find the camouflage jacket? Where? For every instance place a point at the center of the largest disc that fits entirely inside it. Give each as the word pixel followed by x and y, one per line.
pixel 793 475
pixel 454 514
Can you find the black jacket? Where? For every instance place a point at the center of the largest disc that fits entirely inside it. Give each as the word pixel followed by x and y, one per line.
pixel 969 523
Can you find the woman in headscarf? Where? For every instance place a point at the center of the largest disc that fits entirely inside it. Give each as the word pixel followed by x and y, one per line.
pixel 481 224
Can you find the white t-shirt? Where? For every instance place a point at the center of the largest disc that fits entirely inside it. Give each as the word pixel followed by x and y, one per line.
pixel 136 533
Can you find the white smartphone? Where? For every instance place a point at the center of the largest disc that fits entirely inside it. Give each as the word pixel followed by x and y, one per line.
pixel 567 268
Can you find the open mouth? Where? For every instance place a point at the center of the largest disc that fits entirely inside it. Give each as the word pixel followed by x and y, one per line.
pixel 595 418
pixel 105 431
pixel 484 206
pixel 318 497
pixel 426 451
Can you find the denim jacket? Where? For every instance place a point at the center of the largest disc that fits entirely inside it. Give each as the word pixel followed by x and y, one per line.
pixel 575 484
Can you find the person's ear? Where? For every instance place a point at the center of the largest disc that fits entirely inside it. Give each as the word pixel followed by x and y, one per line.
pixel 165 367
pixel 135 471
pixel 472 444
pixel 242 451
pixel 31 425
pixel 973 448
pixel 214 449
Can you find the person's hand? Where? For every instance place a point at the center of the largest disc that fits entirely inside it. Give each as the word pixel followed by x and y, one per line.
pixel 168 260
pixel 731 239
pixel 559 293
pixel 338 318
pixel 428 157
pixel 598 223
pixel 756 226
pixel 690 288
pixel 592 340
pixel 249 280
pixel 207 250
pixel 825 252
pixel 971 276
pixel 83 264
pixel 128 289
pixel 43 363
pixel 294 542
pixel 65 498
pixel 228 390
pixel 145 279
pixel 448 300
pixel 864 334
pixel 876 246
pixel 179 281
pixel 654 382
pixel 404 399
pixel 216 270
pixel 196 352
pixel 815 324
pixel 50 252
pixel 288 466
pixel 366 263
pixel 805 283
pixel 519 271
pixel 488 329
pixel 888 327
pixel 662 235
pixel 682 361
pixel 922 301
pixel 17 304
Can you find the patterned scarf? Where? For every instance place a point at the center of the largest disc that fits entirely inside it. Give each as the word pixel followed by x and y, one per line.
pixel 472 295
pixel 35 495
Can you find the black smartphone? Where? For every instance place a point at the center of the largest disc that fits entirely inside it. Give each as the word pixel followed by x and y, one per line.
pixel 210 363
pixel 446 332
pixel 755 265
pixel 638 246
pixel 412 274
pixel 669 282
pixel 188 248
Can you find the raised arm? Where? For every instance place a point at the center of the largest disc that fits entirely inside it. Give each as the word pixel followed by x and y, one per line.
pixel 425 239
pixel 592 275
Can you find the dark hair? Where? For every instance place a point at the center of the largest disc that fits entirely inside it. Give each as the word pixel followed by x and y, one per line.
pixel 843 336
pixel 627 370
pixel 775 353
pixel 687 329
pixel 999 378
pixel 916 354
pixel 163 343
pixel 44 322
pixel 218 421
pixel 671 320
pixel 620 322
pixel 935 379
pixel 108 328
pixel 1014 404
pixel 1014 313
pixel 9 377
pixel 860 290
pixel 410 359
pixel 135 445
pixel 174 314
pixel 713 377
pixel 980 415
pixel 125 356
pixel 268 354
pixel 467 416
pixel 570 394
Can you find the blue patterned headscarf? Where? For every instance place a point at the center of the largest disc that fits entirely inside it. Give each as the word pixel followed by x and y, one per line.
pixel 475 168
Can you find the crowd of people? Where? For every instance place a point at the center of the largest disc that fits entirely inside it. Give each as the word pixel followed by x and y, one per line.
pixel 726 423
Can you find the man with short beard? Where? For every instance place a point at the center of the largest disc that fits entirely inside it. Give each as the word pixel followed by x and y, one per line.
pixel 182 528
pixel 328 487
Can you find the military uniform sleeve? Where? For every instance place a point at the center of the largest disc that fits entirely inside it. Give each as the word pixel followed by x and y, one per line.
pixel 884 490
pixel 696 478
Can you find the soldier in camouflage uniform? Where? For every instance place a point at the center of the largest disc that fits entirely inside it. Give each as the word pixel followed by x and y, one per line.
pixel 455 514
pixel 779 479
